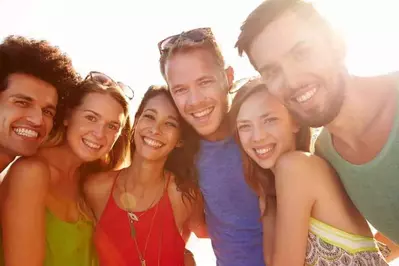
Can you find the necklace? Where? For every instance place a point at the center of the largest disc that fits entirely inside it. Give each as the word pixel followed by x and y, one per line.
pixel 132 217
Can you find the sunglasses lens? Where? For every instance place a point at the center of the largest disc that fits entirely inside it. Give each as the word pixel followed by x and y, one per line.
pixel 196 35
pixel 102 79
pixel 127 90
pixel 167 43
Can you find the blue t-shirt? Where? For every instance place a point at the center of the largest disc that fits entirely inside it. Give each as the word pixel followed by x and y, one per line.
pixel 231 207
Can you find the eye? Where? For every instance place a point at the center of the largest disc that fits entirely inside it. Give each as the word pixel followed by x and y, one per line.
pixel 172 124
pixel 206 82
pixel 22 103
pixel 149 116
pixel 91 118
pixel 179 90
pixel 270 73
pixel 270 120
pixel 302 53
pixel 48 112
pixel 113 127
pixel 242 127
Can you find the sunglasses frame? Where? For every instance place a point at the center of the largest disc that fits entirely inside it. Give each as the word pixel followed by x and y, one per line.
pixel 121 85
pixel 206 32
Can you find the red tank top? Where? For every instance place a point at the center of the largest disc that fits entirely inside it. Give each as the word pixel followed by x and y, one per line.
pixel 116 247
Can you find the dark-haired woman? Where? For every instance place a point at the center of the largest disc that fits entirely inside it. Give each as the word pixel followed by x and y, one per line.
pixel 143 210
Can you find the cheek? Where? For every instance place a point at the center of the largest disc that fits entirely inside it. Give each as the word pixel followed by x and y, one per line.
pixel 245 139
pixel 180 101
pixel 173 136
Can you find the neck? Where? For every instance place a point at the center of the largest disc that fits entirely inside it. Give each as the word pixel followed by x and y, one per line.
pixel 63 158
pixel 145 173
pixel 365 98
pixel 5 160
pixel 221 133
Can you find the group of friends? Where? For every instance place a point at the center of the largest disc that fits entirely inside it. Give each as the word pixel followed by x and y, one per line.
pixel 86 184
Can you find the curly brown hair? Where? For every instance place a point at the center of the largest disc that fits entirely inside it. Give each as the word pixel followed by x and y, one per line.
pixel 181 161
pixel 40 59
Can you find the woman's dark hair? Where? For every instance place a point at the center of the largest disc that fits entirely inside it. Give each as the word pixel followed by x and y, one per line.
pixel 181 161
pixel 39 59
pixel 259 179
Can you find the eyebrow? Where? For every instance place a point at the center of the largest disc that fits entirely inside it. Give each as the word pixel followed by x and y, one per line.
pixel 98 115
pixel 247 120
pixel 30 99
pixel 295 47
pixel 197 80
pixel 169 116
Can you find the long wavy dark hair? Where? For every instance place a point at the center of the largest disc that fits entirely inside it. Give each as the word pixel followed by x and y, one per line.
pixel 181 160
pixel 259 179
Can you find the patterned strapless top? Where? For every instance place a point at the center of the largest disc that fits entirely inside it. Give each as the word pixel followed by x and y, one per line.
pixel 329 246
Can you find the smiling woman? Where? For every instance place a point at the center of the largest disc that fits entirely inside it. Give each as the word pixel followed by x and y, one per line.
pixel 45 188
pixel 142 211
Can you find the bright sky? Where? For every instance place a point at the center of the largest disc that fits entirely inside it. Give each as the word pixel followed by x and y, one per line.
pixel 120 37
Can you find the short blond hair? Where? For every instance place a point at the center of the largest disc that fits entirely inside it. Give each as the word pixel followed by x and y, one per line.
pixel 185 45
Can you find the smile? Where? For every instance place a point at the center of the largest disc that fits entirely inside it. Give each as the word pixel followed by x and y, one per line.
pixel 25 132
pixel 306 94
pixel 153 143
pixel 203 113
pixel 265 151
pixel 91 144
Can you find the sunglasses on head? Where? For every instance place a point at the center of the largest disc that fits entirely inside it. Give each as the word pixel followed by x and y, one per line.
pixel 195 35
pixel 245 82
pixel 105 80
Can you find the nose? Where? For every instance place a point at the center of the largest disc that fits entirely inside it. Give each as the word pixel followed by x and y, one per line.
pixel 196 96
pixel 98 131
pixel 156 129
pixel 259 134
pixel 35 117
pixel 291 76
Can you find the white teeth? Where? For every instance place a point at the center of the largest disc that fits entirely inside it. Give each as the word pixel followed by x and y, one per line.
pixel 306 96
pixel 91 144
pixel 26 132
pixel 152 142
pixel 263 151
pixel 203 113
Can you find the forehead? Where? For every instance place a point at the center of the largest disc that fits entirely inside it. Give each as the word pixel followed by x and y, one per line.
pixel 187 66
pixel 105 105
pixel 259 103
pixel 162 105
pixel 31 87
pixel 281 35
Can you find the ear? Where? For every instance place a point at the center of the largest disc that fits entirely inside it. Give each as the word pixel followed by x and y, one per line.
pixel 180 144
pixel 295 126
pixel 339 47
pixel 229 71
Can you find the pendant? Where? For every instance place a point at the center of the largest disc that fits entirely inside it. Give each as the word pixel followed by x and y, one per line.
pixel 132 231
pixel 133 217
pixel 143 263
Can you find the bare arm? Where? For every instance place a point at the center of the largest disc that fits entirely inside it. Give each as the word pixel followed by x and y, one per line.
pixel 197 223
pixel 295 200
pixel 394 249
pixel 97 190
pixel 23 213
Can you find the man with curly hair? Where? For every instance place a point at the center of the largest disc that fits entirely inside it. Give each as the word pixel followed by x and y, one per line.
pixel 34 79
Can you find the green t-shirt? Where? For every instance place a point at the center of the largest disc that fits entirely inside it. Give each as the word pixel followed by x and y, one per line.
pixel 373 186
